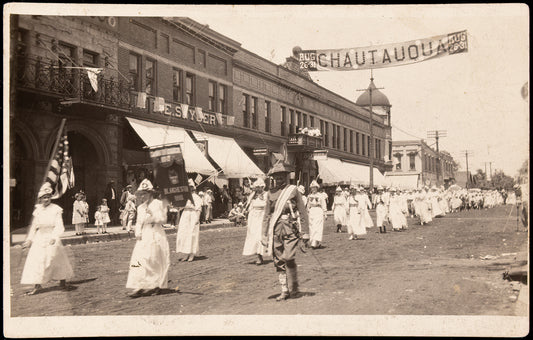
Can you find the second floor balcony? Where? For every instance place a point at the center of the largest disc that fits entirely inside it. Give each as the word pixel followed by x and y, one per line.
pixel 72 84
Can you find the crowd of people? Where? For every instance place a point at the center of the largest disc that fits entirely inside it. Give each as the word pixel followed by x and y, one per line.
pixel 279 220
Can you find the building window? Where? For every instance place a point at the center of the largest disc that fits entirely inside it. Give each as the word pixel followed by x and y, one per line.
pixel 351 141
pixel 291 122
pixel 345 140
pixel 222 98
pixel 390 150
pixel 299 121
pixel 305 121
pixel 326 134
pixel 134 72
pixel 176 86
pixel 412 164
pixel 334 137
pixel 189 89
pixel 357 150
pixel 283 120
pixel 312 121
pixel 150 77
pixel 212 96
pixel 363 141
pixel 368 153
pixel 267 116
pixel 399 161
pixel 245 113
pixel 90 59
pixel 338 137
pixel 253 110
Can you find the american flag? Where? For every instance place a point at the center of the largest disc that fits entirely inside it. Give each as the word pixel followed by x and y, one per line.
pixel 61 174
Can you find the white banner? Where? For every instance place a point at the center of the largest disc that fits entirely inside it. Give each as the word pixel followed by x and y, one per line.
pixel 360 58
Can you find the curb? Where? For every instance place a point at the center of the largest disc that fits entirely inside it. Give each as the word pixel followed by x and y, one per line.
pixel 121 236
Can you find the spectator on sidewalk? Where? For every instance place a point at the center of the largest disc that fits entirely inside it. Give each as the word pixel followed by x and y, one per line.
pixel 236 215
pixel 101 217
pixel 112 201
pixel 226 200
pixel 130 212
pixel 208 204
pixel 80 211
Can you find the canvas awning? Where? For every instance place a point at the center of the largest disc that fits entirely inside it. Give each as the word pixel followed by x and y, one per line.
pixel 334 171
pixel 154 134
pixel 360 174
pixel 409 181
pixel 225 151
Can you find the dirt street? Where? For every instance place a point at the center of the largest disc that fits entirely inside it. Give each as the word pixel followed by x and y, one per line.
pixel 435 269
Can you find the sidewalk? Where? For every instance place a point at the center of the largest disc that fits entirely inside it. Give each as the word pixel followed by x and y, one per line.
pixel 113 233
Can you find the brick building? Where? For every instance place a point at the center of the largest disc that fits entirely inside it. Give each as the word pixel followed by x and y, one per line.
pixel 164 80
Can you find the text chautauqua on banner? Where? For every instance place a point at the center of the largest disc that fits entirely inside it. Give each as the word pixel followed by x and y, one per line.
pixel 379 56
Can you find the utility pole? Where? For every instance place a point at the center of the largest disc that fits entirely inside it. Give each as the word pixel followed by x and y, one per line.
pixel 466 153
pixel 371 88
pixel 436 134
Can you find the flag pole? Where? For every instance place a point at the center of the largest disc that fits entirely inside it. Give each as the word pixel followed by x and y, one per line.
pixel 54 151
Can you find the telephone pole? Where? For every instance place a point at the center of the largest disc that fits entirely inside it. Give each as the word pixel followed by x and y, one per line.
pixel 466 153
pixel 371 88
pixel 436 134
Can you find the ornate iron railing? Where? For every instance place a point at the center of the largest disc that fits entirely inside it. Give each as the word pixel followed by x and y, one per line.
pixel 49 76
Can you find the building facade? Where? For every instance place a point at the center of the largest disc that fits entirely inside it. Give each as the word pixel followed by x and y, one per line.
pixel 162 80
pixel 415 164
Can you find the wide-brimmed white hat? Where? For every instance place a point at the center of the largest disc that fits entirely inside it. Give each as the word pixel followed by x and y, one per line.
pixel 314 184
pixel 46 189
pixel 145 185
pixel 338 189
pixel 258 183
pixel 191 183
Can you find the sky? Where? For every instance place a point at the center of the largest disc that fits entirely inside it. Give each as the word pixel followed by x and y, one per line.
pixel 475 96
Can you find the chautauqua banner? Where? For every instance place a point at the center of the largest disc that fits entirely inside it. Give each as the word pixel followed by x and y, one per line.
pixel 379 56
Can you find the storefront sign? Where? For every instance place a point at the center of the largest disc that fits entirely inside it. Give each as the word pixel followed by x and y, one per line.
pixel 170 175
pixel 319 155
pixel 261 152
pixel 360 58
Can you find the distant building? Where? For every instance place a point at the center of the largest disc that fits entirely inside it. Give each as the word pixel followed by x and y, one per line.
pixel 416 164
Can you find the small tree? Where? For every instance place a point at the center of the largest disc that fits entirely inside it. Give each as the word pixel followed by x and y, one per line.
pixel 501 181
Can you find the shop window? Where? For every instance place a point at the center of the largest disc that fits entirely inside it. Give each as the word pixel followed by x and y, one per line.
pixel 177 88
pixel 283 120
pixel 150 77
pixel 189 89
pixel 267 116
pixel 212 96
pixel 133 73
pixel 222 98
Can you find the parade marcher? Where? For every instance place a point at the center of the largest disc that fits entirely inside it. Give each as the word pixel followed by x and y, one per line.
pixel 112 201
pixel 424 207
pixel 256 211
pixel 279 227
pixel 382 209
pixel 435 206
pixel 101 217
pixel 364 206
pixel 130 211
pixel 188 236
pixel 150 259
pixel 80 212
pixel 339 208
pixel 316 207
pixel 355 227
pixel 47 259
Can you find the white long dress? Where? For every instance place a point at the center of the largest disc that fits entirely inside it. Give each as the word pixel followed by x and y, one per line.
pixel 46 262
pixel 150 259
pixel 424 208
pixel 364 205
pixel 395 212
pixel 339 210
pixel 252 244
pixel 355 223
pixel 188 236
pixel 381 208
pixel 316 205
pixel 435 206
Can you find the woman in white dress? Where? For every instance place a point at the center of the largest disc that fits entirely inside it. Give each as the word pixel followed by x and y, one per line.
pixel 150 259
pixel 47 259
pixel 256 207
pixel 188 236
pixel 395 211
pixel 339 208
pixel 424 207
pixel 436 210
pixel 316 210
pixel 382 207
pixel 364 206
pixel 79 213
pixel 355 227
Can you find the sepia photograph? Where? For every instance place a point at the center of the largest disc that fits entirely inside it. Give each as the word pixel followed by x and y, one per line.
pixel 286 170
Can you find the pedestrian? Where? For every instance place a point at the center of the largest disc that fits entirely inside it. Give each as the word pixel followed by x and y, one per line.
pixel 130 211
pixel 208 204
pixel 316 207
pixel 364 206
pixel 188 236
pixel 339 209
pixel 382 209
pixel 226 200
pixel 256 210
pixel 203 206
pixel 355 226
pixel 47 259
pixel 80 210
pixel 127 193
pixel 112 201
pixel 150 259
pixel 279 226
pixel 101 217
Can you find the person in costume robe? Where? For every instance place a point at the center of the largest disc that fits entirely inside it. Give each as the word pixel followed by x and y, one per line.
pixel 256 211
